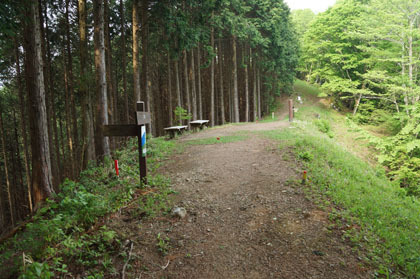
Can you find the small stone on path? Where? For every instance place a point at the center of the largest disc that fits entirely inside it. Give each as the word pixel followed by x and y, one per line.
pixel 179 212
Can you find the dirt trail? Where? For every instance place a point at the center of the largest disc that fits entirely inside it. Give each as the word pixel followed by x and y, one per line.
pixel 245 218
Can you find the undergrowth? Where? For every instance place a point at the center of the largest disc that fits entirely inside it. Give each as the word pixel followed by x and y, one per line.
pixel 68 228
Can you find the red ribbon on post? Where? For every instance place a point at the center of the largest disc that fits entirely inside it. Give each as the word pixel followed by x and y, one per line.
pixel 304 177
pixel 117 171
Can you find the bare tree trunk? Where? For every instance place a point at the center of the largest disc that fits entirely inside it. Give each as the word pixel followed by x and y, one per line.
pixel 145 64
pixel 23 127
pixel 108 66
pixel 254 89
pixel 235 82
pixel 200 99
pixel 212 113
pixel 193 86
pixel 259 93
pixel 178 89
pixel 187 88
pixel 41 165
pixel 124 63
pixel 356 105
pixel 48 91
pixel 136 71
pixel 71 91
pixel 52 125
pixel 410 62
pixel 6 172
pixel 246 87
pixel 18 173
pixel 222 97
pixel 170 90
pixel 88 142
pixel 101 142
pixel 406 101
pixel 68 119
pixel 112 112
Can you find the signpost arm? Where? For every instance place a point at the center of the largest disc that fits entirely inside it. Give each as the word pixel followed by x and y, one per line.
pixel 141 145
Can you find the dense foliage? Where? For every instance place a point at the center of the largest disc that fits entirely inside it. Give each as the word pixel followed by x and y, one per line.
pixel 365 55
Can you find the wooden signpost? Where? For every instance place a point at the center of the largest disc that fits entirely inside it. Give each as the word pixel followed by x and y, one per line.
pixel 291 110
pixel 134 130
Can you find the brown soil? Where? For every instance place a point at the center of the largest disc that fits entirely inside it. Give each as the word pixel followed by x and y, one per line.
pixel 246 218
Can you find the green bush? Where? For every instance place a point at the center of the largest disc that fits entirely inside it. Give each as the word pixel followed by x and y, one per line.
pixel 324 126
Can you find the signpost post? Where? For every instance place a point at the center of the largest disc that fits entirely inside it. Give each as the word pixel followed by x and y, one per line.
pixel 134 130
pixel 290 110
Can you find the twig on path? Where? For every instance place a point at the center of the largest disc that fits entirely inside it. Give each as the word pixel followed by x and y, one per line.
pixel 164 267
pixel 126 263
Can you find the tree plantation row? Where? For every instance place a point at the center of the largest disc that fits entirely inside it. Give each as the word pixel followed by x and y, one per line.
pixel 365 54
pixel 69 67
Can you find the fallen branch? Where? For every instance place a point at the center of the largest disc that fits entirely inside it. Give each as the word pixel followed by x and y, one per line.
pixel 164 267
pixel 126 263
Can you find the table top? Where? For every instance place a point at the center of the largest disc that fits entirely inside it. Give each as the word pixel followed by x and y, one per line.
pixel 176 128
pixel 199 121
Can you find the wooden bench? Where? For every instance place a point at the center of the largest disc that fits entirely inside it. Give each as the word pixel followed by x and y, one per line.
pixel 174 130
pixel 199 124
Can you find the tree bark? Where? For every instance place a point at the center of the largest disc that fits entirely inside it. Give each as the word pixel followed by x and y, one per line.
pixel 18 173
pixel 41 164
pixel 259 93
pixel 170 109
pixel 146 83
pixel 52 101
pixel 23 127
pixel 222 98
pixel 124 63
pixel 246 87
pixel 108 67
pixel 178 89
pixel 68 119
pixel 136 71
pixel 212 114
pixel 6 172
pixel 187 88
pixel 88 142
pixel 73 119
pixel 193 86
pixel 48 90
pixel 254 89
pixel 200 100
pixel 406 101
pixel 101 142
pixel 235 82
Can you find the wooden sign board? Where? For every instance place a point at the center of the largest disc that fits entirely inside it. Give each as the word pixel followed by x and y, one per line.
pixel 121 130
pixel 134 130
pixel 143 117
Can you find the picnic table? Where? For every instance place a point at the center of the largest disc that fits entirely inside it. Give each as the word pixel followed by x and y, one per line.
pixel 199 124
pixel 175 130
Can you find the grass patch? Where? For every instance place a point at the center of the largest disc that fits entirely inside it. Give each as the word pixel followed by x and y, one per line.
pixel 65 235
pixel 389 220
pixel 386 219
pixel 302 87
pixel 269 118
pixel 217 140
